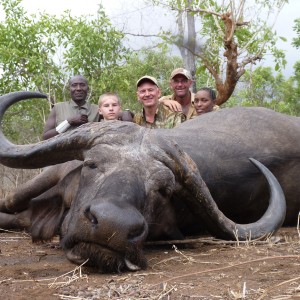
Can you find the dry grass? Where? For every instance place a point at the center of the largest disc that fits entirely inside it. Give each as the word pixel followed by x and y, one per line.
pixel 129 287
pixel 213 273
pixel 62 280
pixel 211 269
pixel 10 178
pixel 18 235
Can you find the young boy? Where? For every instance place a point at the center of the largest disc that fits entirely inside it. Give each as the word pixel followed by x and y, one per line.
pixel 109 106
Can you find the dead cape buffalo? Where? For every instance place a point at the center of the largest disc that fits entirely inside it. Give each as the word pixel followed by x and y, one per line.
pixel 136 184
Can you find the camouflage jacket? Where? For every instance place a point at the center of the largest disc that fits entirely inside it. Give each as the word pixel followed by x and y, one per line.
pixel 192 111
pixel 164 118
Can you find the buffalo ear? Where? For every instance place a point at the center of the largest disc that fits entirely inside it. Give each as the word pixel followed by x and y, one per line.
pixel 196 195
pixel 47 215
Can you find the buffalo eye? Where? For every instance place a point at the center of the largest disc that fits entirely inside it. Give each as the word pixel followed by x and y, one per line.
pixel 90 164
pixel 165 192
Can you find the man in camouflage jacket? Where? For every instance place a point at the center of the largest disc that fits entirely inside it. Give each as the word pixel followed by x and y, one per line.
pixel 154 114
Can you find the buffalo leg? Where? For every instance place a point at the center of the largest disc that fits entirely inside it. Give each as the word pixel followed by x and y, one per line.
pixel 15 221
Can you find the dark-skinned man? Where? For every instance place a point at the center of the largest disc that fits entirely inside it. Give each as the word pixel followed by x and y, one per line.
pixel 71 114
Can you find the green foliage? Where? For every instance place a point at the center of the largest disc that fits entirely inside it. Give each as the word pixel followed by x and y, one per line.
pixel 262 88
pixel 93 48
pixel 42 52
pixel 296 40
pixel 251 38
pixel 251 32
pixel 157 63
pixel 21 122
pixel 296 79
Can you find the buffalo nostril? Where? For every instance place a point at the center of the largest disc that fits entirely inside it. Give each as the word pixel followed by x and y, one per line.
pixel 136 233
pixel 90 216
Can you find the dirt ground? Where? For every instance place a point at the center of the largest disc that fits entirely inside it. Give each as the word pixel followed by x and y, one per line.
pixel 208 269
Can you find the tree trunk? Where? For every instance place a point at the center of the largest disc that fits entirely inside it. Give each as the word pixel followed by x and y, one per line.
pixel 191 46
pixel 187 45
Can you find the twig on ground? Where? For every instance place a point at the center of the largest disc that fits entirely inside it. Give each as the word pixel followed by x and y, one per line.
pixel 12 231
pixel 235 232
pixel 212 241
pixel 63 283
pixel 277 285
pixel 5 280
pixel 8 241
pixel 16 237
pixel 64 297
pixel 229 267
pixel 165 293
pixel 188 258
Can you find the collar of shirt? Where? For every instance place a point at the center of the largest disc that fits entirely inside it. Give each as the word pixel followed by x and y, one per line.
pixel 74 104
pixel 192 97
pixel 192 111
pixel 157 115
pixel 82 107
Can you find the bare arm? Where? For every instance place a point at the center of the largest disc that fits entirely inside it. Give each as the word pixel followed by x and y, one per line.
pixel 49 128
pixel 172 105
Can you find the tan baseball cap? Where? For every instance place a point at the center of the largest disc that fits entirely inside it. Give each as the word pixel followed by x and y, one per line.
pixel 146 78
pixel 181 71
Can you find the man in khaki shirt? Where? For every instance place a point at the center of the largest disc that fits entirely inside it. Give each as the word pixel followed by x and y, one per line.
pixel 182 99
pixel 154 114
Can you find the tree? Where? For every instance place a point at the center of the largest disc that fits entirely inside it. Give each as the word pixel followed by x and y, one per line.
pixel 231 35
pixel 296 79
pixel 158 63
pixel 187 46
pixel 262 88
pixel 296 40
pixel 41 52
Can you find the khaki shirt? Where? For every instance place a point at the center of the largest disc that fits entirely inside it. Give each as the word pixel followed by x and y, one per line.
pixel 69 109
pixel 216 107
pixel 164 118
pixel 192 111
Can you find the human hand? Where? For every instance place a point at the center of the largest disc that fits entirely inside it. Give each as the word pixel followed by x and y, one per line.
pixel 172 105
pixel 78 120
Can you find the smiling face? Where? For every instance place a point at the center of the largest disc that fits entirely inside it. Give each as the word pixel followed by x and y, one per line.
pixel 109 107
pixel 203 102
pixel 148 94
pixel 180 86
pixel 78 88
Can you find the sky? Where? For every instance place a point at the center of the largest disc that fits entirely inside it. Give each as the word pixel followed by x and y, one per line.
pixel 135 17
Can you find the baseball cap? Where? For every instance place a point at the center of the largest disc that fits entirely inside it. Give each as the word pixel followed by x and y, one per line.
pixel 146 78
pixel 181 71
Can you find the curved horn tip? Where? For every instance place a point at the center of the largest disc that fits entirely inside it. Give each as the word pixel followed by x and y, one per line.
pixel 255 162
pixel 252 159
pixel 34 94
pixel 22 95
